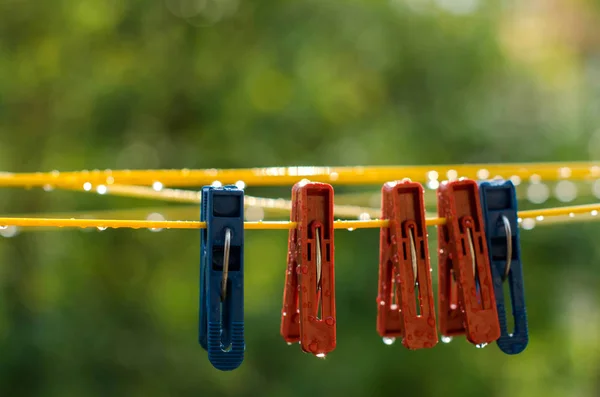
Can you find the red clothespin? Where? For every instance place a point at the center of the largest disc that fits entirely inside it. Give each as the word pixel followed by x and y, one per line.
pixel 309 294
pixel 404 264
pixel 466 292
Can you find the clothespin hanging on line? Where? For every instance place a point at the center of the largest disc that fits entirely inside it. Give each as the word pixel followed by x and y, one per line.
pixel 405 299
pixel 308 314
pixel 499 206
pixel 466 293
pixel 221 328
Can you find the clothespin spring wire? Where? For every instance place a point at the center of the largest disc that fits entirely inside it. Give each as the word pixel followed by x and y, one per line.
pixel 508 247
pixel 226 250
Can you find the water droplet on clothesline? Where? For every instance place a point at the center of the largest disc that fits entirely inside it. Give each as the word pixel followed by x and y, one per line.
pixel 48 188
pixel 101 228
pixel 157 186
pixel 87 186
pixel 101 189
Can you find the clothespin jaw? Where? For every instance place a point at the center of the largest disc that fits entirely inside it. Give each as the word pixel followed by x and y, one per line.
pixel 403 310
pixel 221 329
pixel 290 313
pixel 310 279
pixel 459 204
pixel 499 206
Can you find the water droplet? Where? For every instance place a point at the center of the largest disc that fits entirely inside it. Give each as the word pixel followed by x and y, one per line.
pixel 284 314
pixel 3 227
pixel 289 343
pixel 156 217
pixel 350 229
pixel 110 180
pixel 483 174
pixel 9 231
pixel 433 175
pixel 528 223
pixel 594 212
pixel 564 172
pixel 158 186
pixel 516 180
pixel 389 341
pixel 87 186
pixel 538 193
pixel 539 218
pixel 446 339
pixel 101 189
pixel 452 175
pixel 101 228
pixel 55 173
pixel 596 188
pixel 333 176
pixel 364 216
pixel 48 188
pixel 240 185
pixel 535 178
pixel 571 215
pixel 565 191
pixel 481 345
pixel 433 184
pixel 320 355
pixel 217 184
pixel 382 303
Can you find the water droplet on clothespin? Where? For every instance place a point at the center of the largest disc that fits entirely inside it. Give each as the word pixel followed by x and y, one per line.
pixel 382 303
pixel 446 339
pixel 388 341
pixel 320 355
pixel 481 345
pixel 48 188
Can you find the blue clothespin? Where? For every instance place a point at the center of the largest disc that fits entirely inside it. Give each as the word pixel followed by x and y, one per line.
pixel 499 207
pixel 221 328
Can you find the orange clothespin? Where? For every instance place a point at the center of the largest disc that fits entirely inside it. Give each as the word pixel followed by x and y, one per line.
pixel 403 310
pixel 308 313
pixel 466 293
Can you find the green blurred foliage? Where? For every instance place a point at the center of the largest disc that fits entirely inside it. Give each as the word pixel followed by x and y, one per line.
pixel 224 83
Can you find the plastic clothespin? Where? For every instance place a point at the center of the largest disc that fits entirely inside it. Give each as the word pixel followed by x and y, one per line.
pixel 308 314
pixel 221 328
pixel 499 206
pixel 464 260
pixel 403 310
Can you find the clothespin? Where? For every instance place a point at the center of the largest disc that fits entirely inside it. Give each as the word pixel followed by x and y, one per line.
pixel 464 265
pixel 308 314
pixel 221 328
pixel 499 206
pixel 403 310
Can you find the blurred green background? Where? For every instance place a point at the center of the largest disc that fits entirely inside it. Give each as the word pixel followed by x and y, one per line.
pixel 228 83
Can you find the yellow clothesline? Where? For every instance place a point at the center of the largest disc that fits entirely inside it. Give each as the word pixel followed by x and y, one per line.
pixel 286 176
pixel 540 214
